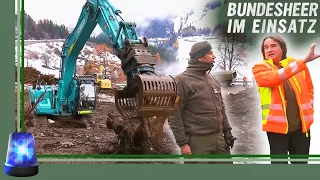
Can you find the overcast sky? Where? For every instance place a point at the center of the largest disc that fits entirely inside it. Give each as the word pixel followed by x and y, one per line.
pixel 67 11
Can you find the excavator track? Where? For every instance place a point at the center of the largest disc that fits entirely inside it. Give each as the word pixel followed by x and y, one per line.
pixel 152 104
pixel 76 121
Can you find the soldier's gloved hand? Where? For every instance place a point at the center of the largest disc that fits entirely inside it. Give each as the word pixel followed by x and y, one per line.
pixel 228 137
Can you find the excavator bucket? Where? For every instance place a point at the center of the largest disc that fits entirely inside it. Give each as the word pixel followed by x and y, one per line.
pixel 156 97
pixel 152 104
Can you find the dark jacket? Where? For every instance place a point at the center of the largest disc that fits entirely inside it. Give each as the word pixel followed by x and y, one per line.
pixel 201 110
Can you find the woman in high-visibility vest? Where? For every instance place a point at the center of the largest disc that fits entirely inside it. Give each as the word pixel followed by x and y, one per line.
pixel 286 96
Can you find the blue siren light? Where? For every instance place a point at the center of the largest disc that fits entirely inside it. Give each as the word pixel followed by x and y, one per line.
pixel 21 160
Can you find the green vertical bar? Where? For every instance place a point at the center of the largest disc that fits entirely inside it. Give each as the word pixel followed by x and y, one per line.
pixel 7 74
pixel 18 67
pixel 22 62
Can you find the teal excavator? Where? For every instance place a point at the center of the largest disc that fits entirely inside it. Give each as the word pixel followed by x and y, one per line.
pixel 148 98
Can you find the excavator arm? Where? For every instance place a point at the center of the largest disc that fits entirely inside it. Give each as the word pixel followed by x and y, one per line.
pixel 94 12
pixel 148 98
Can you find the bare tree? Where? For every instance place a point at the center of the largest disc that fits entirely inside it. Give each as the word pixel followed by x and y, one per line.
pixel 231 50
pixel 45 59
pixel 184 22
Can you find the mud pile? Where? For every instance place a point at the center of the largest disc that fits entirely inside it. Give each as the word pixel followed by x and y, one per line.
pixel 72 138
pixel 243 110
pixel 31 75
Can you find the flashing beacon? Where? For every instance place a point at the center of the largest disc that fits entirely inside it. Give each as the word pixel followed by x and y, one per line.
pixel 21 160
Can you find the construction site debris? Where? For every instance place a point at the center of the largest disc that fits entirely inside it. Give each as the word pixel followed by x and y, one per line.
pixel 31 76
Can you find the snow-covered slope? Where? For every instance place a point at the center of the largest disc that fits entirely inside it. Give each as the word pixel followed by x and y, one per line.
pixel 202 15
pixel 45 57
pixel 48 54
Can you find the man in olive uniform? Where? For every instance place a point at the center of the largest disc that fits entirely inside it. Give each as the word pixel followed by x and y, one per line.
pixel 199 123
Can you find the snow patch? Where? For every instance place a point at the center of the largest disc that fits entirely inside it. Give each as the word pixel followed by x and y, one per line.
pixel 105 98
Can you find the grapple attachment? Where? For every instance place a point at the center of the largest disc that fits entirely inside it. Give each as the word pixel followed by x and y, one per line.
pixel 155 97
pixel 150 105
pixel 146 102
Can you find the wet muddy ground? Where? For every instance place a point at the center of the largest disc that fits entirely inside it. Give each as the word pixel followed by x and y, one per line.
pixel 57 138
pixel 70 138
pixel 244 111
pixel 54 137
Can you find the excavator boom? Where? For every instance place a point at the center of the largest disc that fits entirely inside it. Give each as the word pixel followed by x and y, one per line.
pixel 148 97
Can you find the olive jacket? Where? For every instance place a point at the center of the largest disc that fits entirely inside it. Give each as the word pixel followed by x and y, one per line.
pixel 201 109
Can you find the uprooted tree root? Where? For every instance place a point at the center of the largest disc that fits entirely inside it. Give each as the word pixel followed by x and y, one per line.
pixel 134 138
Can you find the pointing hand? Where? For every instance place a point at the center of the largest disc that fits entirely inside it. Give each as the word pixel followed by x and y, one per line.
pixel 311 55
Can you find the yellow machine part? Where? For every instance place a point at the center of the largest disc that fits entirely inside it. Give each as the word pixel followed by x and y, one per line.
pixel 85 112
pixel 105 83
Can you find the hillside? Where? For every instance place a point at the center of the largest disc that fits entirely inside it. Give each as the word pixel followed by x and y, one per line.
pixel 45 57
pixel 192 22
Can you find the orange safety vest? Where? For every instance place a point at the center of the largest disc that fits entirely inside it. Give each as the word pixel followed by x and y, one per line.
pixel 269 81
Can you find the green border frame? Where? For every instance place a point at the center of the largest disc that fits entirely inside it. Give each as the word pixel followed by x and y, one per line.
pixel 174 157
pixel 22 128
pixel 94 157
pixel 82 171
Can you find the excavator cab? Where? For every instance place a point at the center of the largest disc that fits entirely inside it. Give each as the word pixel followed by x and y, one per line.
pixel 87 95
